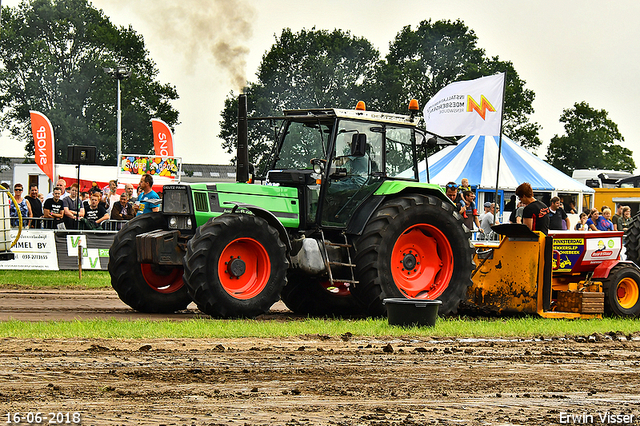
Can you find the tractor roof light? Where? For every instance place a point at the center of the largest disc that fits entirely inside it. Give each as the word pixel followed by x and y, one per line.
pixel 360 106
pixel 413 105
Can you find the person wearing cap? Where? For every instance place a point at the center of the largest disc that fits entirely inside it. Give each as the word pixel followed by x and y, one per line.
pixel 487 208
pixel 488 218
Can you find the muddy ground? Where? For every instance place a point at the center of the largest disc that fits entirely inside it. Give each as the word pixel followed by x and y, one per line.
pixel 309 380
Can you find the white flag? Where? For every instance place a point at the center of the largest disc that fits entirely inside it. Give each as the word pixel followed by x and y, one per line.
pixel 472 107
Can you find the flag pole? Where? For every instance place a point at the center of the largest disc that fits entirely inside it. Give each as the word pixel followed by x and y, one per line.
pixel 504 91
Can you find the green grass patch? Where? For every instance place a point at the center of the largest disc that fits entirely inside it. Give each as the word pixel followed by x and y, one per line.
pixel 54 279
pixel 210 329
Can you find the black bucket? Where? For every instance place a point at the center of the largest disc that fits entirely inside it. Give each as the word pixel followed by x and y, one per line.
pixel 412 312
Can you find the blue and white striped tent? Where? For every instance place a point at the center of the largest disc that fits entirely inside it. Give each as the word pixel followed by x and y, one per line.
pixel 475 158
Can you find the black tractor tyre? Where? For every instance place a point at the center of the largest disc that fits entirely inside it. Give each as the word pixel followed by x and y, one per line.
pixel 405 241
pixel 144 287
pixel 622 291
pixel 235 266
pixel 306 295
pixel 632 240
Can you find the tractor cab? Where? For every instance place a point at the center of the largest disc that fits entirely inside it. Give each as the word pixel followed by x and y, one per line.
pixel 339 158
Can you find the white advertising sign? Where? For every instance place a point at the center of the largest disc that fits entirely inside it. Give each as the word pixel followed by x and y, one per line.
pixel 36 249
pixel 90 256
pixel 605 248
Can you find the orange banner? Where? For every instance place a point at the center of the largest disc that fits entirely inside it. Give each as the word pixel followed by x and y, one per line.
pixel 44 142
pixel 162 138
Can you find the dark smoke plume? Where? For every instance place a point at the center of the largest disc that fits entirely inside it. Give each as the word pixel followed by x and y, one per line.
pixel 220 28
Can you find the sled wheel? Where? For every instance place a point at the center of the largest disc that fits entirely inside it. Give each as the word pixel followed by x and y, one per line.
pixel 235 266
pixel 144 287
pixel 622 290
pixel 414 246
pixel 318 297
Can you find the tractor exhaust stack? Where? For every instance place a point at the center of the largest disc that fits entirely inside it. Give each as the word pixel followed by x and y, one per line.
pixel 242 160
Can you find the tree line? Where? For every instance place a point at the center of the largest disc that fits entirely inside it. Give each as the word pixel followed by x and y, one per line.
pixel 52 55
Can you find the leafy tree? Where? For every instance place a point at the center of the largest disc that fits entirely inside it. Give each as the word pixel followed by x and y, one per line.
pixel 317 68
pixel 308 69
pixel 420 62
pixel 52 54
pixel 592 141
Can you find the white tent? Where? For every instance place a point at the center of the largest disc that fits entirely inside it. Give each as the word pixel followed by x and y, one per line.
pixel 475 158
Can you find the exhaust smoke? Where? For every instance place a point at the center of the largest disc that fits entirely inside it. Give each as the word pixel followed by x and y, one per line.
pixel 217 28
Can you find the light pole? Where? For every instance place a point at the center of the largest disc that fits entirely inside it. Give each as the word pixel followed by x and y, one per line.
pixel 119 72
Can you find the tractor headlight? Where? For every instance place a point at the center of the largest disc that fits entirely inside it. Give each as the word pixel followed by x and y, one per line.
pixel 189 222
pixel 173 222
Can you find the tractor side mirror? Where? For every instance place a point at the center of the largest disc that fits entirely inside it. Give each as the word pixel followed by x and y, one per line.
pixel 358 144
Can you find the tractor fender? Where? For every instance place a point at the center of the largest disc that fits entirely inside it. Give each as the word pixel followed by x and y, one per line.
pixel 602 270
pixel 361 217
pixel 268 216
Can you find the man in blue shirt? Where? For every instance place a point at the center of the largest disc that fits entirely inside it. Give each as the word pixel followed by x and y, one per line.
pixel 146 196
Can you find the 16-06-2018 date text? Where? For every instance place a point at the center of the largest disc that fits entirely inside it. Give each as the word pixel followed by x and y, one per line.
pixel 37 417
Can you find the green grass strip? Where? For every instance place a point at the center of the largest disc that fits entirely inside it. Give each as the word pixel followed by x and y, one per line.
pixel 211 329
pixel 16 279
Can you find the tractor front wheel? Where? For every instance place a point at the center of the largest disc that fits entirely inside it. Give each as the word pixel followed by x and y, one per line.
pixel 143 286
pixel 235 266
pixel 622 291
pixel 416 247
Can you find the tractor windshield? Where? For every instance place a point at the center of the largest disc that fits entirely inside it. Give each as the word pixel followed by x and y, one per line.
pixel 302 142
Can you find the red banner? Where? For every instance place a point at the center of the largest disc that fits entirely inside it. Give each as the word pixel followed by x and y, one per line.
pixel 162 138
pixel 44 143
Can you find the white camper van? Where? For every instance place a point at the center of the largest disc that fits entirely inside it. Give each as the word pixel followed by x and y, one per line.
pixel 594 178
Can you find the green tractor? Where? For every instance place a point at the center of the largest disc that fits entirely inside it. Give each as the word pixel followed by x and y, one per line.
pixel 339 223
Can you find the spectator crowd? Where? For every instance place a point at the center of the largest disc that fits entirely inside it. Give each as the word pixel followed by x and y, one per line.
pixel 526 209
pixel 65 207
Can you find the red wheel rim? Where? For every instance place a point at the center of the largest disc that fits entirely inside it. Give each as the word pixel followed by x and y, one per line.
pixel 422 262
pixel 337 288
pixel 244 268
pixel 162 279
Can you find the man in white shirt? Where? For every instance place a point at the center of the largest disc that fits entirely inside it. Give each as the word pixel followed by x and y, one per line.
pixel 62 184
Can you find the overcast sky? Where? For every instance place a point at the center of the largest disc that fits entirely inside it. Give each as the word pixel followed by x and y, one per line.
pixel 566 51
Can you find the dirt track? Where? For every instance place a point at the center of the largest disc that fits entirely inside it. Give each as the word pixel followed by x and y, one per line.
pixel 313 380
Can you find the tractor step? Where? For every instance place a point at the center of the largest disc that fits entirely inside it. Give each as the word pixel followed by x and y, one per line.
pixel 329 263
pixel 328 243
pixel 348 265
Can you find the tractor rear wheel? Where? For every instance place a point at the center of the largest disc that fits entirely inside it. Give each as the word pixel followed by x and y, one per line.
pixel 143 286
pixel 235 266
pixel 415 246
pixel 622 291
pixel 317 297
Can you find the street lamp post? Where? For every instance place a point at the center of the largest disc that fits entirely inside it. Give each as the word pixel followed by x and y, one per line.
pixel 119 72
